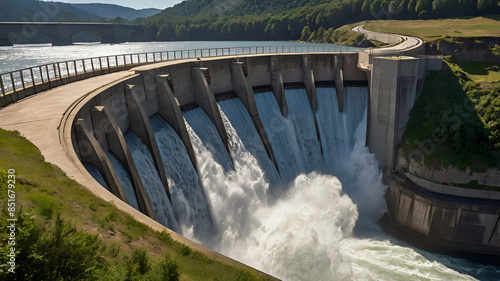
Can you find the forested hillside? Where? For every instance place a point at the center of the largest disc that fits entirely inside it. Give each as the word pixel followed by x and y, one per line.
pixel 36 11
pixel 297 19
pixel 110 11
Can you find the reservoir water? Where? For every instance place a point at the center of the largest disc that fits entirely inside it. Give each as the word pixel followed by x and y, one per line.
pixel 323 222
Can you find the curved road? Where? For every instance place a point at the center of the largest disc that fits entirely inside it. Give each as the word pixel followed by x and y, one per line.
pixel 407 42
pixel 398 44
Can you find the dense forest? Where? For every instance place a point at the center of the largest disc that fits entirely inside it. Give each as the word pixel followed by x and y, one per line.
pixel 294 20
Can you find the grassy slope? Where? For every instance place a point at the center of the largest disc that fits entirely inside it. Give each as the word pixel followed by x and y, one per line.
pixel 456 117
pixel 44 190
pixel 431 30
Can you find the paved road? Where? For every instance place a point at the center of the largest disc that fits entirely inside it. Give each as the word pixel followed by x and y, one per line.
pixel 408 42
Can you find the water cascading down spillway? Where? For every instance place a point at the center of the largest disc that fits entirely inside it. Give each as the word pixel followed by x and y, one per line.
pixel 309 212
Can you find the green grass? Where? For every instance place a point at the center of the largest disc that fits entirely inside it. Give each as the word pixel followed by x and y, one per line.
pixel 455 120
pixel 43 191
pixel 431 30
pixel 481 72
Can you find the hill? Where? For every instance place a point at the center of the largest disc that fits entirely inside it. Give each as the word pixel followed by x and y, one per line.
pixel 110 11
pixel 38 11
pixel 296 19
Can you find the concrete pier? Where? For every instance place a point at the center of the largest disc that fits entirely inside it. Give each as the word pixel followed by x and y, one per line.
pixel 140 125
pixel 205 98
pixel 105 125
pixel 246 95
pixel 169 109
pixel 91 152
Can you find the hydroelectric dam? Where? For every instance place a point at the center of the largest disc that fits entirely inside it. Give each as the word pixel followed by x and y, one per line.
pixel 274 160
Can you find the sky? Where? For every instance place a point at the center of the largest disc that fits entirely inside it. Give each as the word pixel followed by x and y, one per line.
pixel 136 4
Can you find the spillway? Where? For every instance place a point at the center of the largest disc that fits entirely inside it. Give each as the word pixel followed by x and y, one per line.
pixel 301 115
pixel 188 200
pixel 280 178
pixel 282 137
pixel 124 179
pixel 242 124
pixel 154 188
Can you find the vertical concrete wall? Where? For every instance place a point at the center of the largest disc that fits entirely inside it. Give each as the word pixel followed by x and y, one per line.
pixel 323 67
pixel 220 75
pixel 455 226
pixel 259 70
pixel 395 85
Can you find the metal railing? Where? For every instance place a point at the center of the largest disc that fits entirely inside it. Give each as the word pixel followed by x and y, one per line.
pixel 18 80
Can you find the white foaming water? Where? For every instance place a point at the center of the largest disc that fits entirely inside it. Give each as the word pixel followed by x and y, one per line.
pixel 332 130
pixel 124 179
pixel 243 125
pixel 188 201
pixel 301 115
pixel 151 181
pixel 233 195
pixel 299 237
pixel 208 134
pixel 281 134
pixel 308 233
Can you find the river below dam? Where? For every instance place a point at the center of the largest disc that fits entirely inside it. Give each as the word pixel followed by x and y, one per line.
pixel 312 216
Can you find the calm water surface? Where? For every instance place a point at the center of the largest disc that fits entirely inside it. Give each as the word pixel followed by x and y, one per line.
pixel 24 56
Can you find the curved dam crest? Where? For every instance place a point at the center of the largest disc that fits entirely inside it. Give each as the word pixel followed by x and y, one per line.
pixel 312 224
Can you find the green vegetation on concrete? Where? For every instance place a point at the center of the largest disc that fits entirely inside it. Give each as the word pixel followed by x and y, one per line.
pixel 64 232
pixel 456 119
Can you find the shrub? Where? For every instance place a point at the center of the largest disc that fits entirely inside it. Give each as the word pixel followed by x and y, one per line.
pixel 185 250
pixel 138 263
pixel 170 270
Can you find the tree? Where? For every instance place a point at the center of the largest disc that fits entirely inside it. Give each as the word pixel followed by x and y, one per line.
pixel 306 32
pixel 485 4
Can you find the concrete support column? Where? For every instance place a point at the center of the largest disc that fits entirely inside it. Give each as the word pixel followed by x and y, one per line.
pixel 277 85
pixel 105 123
pixel 169 109
pixel 205 98
pixel 309 82
pixel 141 126
pixel 245 93
pixel 339 81
pixel 64 36
pixel 91 152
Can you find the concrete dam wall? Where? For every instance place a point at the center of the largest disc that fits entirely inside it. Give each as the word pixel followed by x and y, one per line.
pixel 105 120
pixel 171 88
pixel 449 224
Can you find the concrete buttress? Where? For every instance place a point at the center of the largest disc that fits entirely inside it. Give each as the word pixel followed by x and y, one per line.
pixel 169 109
pixel 91 152
pixel 105 122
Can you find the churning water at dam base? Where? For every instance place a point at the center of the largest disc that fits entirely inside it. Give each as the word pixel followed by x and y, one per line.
pixel 312 216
